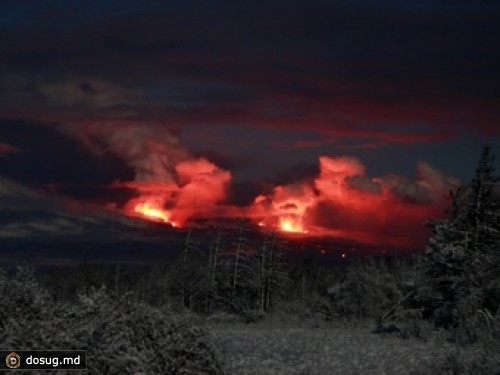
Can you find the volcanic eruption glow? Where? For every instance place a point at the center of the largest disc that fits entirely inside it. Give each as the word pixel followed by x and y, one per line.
pixel 153 213
pixel 291 225
pixel 173 186
pixel 199 185
pixel 343 202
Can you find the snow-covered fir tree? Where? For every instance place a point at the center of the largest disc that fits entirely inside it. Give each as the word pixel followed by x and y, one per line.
pixel 461 268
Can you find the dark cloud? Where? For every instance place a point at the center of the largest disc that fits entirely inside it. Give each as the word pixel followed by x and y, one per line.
pixel 332 67
pixel 364 183
pixel 430 185
pixel 61 97
pixel 7 149
pixel 243 193
pixel 103 195
pixel 50 157
pixel 229 162
pixel 410 191
pixel 95 92
pixel 12 190
pixel 296 173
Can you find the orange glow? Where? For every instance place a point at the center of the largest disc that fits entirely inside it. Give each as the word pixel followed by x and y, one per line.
pixel 288 224
pixel 342 201
pixel 151 212
pixel 196 188
pixel 148 211
pixel 175 187
pixel 285 209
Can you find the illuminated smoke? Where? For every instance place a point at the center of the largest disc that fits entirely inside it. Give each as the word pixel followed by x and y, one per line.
pixel 202 186
pixel 342 201
pixel 171 185
pixel 285 208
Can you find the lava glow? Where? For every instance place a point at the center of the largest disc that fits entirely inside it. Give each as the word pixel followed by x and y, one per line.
pixel 194 188
pixel 343 202
pixel 290 225
pixel 147 210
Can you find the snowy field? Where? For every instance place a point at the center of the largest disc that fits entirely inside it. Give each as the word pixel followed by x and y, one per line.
pixel 263 349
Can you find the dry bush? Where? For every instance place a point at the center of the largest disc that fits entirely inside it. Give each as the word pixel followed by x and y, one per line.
pixel 121 335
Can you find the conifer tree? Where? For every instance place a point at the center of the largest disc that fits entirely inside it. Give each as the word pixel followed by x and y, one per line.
pixel 461 266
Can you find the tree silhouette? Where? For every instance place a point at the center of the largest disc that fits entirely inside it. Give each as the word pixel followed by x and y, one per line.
pixel 461 265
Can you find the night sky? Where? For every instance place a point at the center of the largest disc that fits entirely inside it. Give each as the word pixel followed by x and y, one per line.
pixel 357 116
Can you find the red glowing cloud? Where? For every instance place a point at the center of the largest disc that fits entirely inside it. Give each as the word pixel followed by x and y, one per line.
pixel 286 207
pixel 343 202
pixel 196 188
pixel 200 186
pixel 171 185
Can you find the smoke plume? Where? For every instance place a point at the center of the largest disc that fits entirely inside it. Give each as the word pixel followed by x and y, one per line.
pixel 171 185
pixel 343 201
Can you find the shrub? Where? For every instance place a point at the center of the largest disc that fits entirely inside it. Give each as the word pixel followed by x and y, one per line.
pixel 367 291
pixel 120 335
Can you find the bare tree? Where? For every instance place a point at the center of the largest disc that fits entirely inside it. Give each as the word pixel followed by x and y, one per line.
pixel 189 275
pixel 213 263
